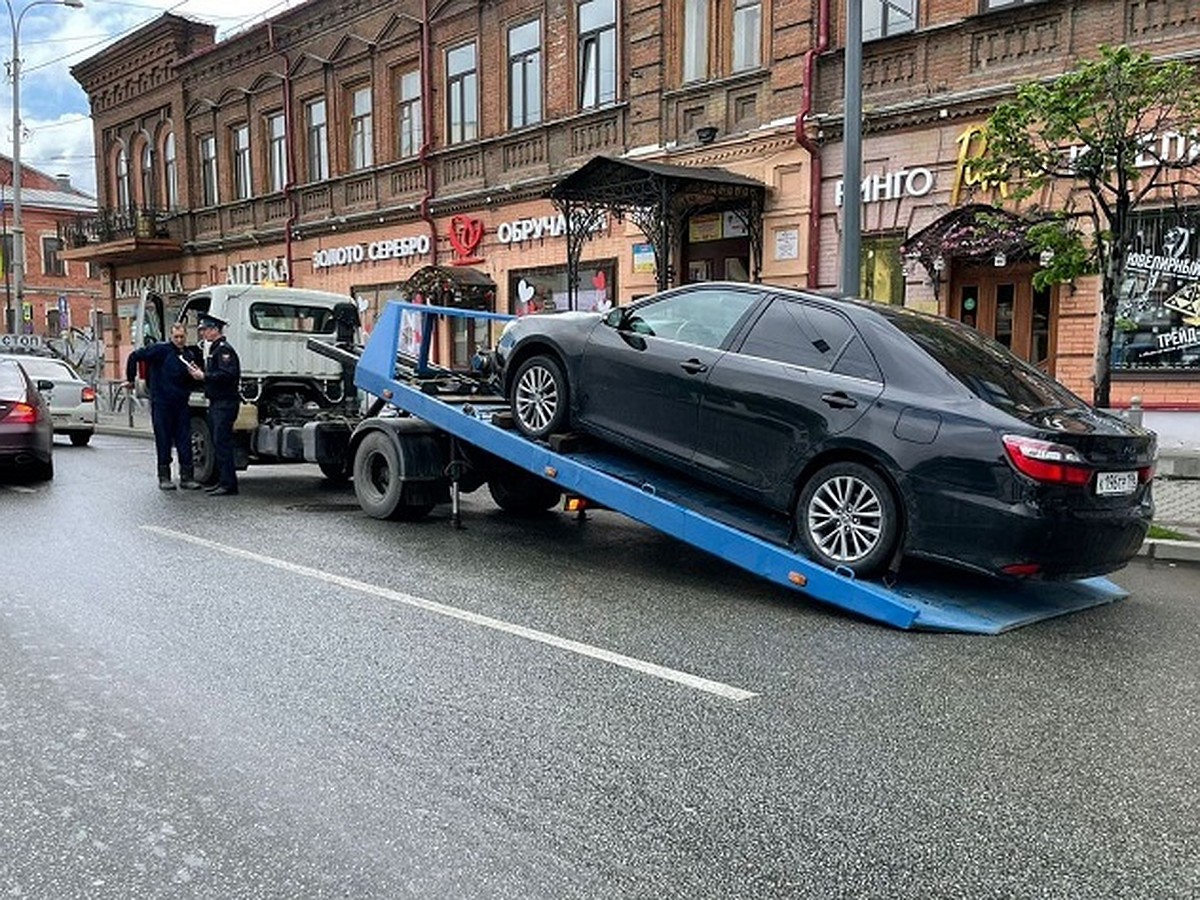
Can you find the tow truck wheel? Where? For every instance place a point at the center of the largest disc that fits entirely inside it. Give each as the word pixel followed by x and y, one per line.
pixel 204 464
pixel 846 518
pixel 523 493
pixel 378 484
pixel 539 397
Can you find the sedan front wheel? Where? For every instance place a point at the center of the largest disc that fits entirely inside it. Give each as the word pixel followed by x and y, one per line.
pixel 846 518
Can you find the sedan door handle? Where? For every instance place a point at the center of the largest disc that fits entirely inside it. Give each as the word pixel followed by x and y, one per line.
pixel 693 367
pixel 838 400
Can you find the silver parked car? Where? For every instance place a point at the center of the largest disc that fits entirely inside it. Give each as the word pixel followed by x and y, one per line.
pixel 72 400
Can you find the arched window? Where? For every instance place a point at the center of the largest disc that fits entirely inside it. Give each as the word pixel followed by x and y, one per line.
pixel 147 174
pixel 170 183
pixel 122 178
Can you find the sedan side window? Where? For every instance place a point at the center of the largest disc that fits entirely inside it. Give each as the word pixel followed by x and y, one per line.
pixel 804 334
pixel 705 317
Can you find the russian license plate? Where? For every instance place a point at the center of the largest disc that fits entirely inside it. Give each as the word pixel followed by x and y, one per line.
pixel 1110 484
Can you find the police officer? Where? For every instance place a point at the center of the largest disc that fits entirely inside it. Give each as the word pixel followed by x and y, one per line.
pixel 168 374
pixel 222 377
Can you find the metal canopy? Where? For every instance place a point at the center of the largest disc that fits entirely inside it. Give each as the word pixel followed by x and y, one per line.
pixel 974 233
pixel 659 198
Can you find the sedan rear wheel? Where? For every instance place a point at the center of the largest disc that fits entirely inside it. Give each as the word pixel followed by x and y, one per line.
pixel 846 518
pixel 539 397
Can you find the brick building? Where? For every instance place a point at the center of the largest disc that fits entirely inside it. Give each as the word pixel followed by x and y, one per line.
pixel 346 146
pixel 59 295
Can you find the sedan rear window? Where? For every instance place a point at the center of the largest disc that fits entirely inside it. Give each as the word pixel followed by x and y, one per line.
pixel 51 369
pixel 986 368
pixel 12 385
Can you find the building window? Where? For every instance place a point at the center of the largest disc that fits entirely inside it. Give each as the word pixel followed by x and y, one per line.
pixel 695 40
pixel 241 161
pixel 408 89
pixel 276 153
pixel 208 171
pixel 881 270
pixel 170 172
pixel 747 34
pixel 525 74
pixel 362 141
pixel 122 179
pixel 1000 4
pixel 546 288
pixel 317 140
pixel 881 18
pixel 51 263
pixel 597 53
pixel 147 176
pixel 1157 304
pixel 462 88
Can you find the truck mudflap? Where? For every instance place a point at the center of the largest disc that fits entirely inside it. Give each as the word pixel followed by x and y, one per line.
pixel 934 599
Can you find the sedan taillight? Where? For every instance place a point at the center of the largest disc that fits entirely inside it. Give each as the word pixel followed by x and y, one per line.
pixel 22 414
pixel 87 394
pixel 1046 461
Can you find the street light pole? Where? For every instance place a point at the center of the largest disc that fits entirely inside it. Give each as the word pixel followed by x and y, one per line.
pixel 17 263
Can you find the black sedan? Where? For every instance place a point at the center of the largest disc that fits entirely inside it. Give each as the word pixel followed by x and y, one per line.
pixel 881 432
pixel 26 429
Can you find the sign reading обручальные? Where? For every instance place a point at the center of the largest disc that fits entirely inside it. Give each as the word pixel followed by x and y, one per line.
pixel 1158 310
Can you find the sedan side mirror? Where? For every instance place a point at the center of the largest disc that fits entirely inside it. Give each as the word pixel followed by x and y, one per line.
pixel 44 385
pixel 614 317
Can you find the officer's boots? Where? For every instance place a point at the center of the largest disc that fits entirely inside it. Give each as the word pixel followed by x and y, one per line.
pixel 164 479
pixel 187 479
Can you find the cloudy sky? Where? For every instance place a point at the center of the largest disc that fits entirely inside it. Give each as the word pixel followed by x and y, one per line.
pixel 54 110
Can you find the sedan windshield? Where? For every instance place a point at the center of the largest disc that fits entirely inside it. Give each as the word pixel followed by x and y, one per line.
pixel 985 367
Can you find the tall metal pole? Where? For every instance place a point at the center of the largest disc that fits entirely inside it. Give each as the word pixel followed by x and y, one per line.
pixel 18 232
pixel 852 153
pixel 18 261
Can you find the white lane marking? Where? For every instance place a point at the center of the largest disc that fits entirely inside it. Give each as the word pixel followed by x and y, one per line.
pixel 617 659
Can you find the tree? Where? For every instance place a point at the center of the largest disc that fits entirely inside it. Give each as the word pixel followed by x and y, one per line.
pixel 1116 132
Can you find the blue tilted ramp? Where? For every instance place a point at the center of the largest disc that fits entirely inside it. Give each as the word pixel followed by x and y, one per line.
pixel 715 523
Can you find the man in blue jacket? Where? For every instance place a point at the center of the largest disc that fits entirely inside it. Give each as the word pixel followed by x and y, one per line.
pixel 168 374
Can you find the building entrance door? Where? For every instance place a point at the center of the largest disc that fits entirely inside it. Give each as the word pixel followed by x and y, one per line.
pixel 1003 304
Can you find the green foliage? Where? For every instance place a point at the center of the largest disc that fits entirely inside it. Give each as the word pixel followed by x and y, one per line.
pixel 1063 249
pixel 1092 124
pixel 1111 131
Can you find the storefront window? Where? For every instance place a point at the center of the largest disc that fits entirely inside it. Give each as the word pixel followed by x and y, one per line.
pixel 535 290
pixel 1158 305
pixel 881 272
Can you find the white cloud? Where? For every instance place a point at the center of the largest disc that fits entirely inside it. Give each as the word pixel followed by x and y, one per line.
pixel 57 131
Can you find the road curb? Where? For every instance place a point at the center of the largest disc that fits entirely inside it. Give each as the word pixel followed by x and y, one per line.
pixel 1173 551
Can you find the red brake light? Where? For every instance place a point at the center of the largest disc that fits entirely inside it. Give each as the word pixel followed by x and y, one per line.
pixel 1145 474
pixel 87 394
pixel 22 414
pixel 1046 461
pixel 1022 570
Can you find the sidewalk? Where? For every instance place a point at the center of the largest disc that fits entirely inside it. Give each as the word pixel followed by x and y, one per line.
pixel 1176 489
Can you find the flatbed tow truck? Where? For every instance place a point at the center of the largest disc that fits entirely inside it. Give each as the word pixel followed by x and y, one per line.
pixel 404 471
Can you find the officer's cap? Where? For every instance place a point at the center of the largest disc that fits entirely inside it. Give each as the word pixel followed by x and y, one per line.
pixel 207 321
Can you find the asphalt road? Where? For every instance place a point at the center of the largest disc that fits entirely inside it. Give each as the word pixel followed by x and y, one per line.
pixel 272 695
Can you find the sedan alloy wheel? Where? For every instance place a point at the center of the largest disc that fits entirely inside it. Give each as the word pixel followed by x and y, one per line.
pixel 847 518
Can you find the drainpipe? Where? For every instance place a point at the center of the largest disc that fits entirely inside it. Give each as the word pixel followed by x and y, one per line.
pixel 814 152
pixel 289 184
pixel 427 127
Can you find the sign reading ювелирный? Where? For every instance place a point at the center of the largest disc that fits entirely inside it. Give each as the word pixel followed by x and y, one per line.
pixel 20 342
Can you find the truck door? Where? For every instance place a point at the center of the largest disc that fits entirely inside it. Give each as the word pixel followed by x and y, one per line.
pixel 148 328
